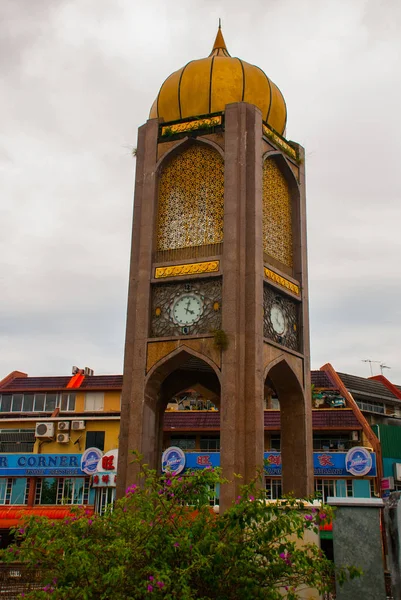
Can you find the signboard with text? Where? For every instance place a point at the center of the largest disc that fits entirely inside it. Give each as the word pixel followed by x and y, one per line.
pixel 41 465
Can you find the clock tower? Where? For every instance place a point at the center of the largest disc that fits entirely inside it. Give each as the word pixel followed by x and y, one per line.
pixel 218 283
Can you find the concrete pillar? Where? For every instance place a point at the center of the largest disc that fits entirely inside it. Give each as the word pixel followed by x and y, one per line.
pixel 357 541
pixel 392 519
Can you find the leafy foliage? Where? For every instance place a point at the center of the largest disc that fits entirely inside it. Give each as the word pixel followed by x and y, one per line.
pixel 163 540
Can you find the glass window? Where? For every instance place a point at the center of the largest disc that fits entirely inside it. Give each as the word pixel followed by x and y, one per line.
pixel 39 402
pixel 67 402
pixel 273 488
pixel 17 403
pixel 95 439
pixel 6 403
pixel 47 492
pixel 19 491
pixel 210 444
pixel 185 442
pixel 325 487
pixel 3 489
pixel 51 400
pixel 28 403
pixel 94 401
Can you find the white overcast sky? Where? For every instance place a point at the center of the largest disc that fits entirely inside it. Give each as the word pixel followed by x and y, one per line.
pixel 77 79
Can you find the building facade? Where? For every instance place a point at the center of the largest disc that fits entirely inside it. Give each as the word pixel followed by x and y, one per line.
pixel 48 425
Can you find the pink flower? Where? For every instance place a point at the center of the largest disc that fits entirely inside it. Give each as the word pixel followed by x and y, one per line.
pixel 176 544
pixel 160 584
pixel 150 588
pixel 90 521
pixel 322 515
pixel 151 578
pixel 251 498
pixel 308 517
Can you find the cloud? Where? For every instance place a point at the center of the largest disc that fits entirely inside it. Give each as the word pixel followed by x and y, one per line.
pixel 79 78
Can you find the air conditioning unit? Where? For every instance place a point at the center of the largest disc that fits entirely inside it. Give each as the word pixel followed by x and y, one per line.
pixel 355 436
pixel 63 425
pixel 88 372
pixel 63 438
pixel 77 425
pixel 44 430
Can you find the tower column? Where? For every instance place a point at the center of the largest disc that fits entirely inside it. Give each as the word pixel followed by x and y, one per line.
pixel 242 423
pixel 137 412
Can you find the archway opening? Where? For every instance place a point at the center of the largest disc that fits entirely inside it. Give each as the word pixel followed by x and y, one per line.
pixel 182 398
pixel 291 434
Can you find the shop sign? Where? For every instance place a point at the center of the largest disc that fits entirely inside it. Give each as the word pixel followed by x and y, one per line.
pixel 41 465
pixel 173 460
pixel 104 479
pixel 90 459
pixel 387 483
pixel 106 470
pixel 200 460
pixel 358 461
pixel 327 464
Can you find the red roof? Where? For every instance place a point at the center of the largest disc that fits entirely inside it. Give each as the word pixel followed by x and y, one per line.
pixel 43 384
pixel 192 420
pixel 11 516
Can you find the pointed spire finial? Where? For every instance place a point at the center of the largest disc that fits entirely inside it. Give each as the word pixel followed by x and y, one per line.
pixel 219 44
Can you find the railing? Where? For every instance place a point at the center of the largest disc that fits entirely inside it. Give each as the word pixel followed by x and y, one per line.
pixel 16 579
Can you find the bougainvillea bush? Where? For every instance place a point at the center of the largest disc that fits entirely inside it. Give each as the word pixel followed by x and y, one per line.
pixel 164 541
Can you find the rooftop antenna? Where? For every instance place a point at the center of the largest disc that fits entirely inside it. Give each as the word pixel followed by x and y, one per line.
pixel 368 360
pixel 383 366
pixel 219 23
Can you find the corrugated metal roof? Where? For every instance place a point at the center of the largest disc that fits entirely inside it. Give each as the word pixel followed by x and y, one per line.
pixel 98 382
pixel 368 387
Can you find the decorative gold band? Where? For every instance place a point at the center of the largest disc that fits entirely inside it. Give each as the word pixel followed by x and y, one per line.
pixel 188 269
pixel 279 141
pixel 281 281
pixel 191 125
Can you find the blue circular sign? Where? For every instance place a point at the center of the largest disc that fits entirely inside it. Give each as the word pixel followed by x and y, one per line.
pixel 358 461
pixel 173 460
pixel 90 459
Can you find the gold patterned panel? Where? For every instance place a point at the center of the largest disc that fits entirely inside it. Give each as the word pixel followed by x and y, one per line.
pixel 277 214
pixel 281 281
pixel 158 350
pixel 191 199
pixel 211 266
pixel 279 141
pixel 175 128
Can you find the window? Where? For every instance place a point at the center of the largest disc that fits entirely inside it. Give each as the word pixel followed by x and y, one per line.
pixel 334 442
pixel 95 439
pixel 17 440
pixel 376 407
pixel 20 490
pixel 67 402
pixel 325 487
pixel 94 401
pixel 210 444
pixel 62 490
pixel 104 497
pixel 37 402
pixel 275 443
pixel 273 488
pixel 185 442
pixel 5 490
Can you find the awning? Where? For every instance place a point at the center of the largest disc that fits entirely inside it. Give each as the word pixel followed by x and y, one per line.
pixel 12 516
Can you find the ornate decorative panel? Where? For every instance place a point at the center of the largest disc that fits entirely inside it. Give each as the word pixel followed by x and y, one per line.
pixel 280 318
pixel 191 199
pixel 186 308
pixel 277 214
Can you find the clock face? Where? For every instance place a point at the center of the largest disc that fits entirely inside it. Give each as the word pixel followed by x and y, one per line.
pixel 187 309
pixel 278 319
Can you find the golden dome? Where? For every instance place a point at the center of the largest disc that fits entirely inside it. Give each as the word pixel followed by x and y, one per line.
pixel 206 85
